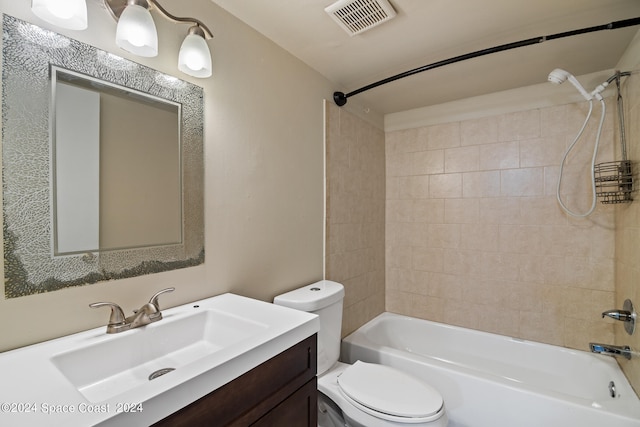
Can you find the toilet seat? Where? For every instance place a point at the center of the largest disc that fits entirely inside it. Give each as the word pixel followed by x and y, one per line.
pixel 386 393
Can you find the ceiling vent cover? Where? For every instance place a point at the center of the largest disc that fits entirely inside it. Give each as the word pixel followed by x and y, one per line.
pixel 356 16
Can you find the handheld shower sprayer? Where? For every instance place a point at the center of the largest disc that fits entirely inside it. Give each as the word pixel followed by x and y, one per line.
pixel 559 76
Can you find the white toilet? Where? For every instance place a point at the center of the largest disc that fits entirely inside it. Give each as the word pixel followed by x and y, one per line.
pixel 363 394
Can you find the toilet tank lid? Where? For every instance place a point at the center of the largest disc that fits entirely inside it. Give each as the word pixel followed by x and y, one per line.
pixel 312 297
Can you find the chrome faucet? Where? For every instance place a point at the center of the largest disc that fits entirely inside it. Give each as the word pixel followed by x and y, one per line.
pixel 627 315
pixel 622 315
pixel 611 350
pixel 148 313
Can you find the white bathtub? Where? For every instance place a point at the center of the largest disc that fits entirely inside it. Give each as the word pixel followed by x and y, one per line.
pixel 490 380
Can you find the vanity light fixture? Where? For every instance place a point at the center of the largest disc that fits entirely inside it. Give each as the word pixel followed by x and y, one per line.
pixel 70 14
pixel 194 57
pixel 137 34
pixel 136 31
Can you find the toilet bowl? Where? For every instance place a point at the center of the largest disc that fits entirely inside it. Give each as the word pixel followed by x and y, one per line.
pixel 362 394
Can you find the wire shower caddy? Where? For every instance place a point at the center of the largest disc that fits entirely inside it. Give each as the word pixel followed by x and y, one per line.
pixel 614 180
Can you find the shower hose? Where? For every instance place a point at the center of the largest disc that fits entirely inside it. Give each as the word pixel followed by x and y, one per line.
pixel 593 162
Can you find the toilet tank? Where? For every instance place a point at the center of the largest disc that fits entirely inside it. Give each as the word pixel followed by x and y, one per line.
pixel 325 299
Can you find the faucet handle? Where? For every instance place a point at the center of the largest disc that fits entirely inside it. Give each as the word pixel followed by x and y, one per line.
pixel 621 315
pixel 627 315
pixel 154 299
pixel 117 315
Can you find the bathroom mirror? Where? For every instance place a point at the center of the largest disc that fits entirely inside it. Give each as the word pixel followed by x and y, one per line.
pixel 116 166
pixel 102 165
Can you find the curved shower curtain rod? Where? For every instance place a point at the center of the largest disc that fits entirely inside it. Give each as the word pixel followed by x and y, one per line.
pixel 340 98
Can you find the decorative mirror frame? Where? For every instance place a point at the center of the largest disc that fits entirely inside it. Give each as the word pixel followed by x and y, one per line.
pixel 28 52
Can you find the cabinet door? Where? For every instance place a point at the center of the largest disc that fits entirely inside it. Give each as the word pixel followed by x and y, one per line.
pixel 299 410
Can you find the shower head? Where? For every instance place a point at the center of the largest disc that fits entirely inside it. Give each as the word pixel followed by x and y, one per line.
pixel 559 76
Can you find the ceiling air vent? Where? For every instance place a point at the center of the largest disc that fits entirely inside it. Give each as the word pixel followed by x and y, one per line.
pixel 356 16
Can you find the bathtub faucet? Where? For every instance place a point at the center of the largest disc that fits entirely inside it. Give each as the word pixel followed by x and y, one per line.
pixel 611 350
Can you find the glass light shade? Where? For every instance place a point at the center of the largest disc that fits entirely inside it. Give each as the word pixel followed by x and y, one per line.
pixel 70 14
pixel 136 31
pixel 194 57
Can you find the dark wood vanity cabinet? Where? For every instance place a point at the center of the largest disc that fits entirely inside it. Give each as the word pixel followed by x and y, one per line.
pixel 280 392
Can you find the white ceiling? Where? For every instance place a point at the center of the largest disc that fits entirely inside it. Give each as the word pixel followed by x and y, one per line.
pixel 427 31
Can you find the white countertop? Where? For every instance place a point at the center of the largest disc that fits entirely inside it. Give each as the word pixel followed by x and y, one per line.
pixel 34 391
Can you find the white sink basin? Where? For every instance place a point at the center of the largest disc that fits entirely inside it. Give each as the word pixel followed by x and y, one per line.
pixel 93 378
pixel 128 359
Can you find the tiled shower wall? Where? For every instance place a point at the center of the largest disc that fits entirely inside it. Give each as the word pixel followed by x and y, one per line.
pixel 476 238
pixel 628 233
pixel 355 214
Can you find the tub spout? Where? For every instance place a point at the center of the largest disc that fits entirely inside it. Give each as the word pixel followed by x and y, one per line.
pixel 611 350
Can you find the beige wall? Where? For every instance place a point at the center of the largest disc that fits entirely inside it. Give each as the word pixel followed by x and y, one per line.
pixel 355 214
pixel 628 234
pixel 263 179
pixel 476 238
